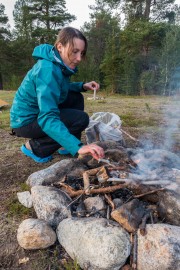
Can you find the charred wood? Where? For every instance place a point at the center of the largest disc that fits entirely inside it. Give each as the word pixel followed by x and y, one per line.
pixel 129 215
pixel 74 193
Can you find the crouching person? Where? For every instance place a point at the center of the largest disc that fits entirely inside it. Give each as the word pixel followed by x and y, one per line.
pixel 47 107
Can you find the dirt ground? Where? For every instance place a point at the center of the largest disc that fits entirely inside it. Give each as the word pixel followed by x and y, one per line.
pixel 14 170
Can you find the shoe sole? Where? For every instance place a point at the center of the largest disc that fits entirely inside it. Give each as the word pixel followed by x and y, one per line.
pixel 30 154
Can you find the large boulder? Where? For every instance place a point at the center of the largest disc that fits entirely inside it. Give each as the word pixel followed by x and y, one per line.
pixel 66 167
pixel 159 249
pixel 50 204
pixel 96 243
pixel 169 207
pixel 35 234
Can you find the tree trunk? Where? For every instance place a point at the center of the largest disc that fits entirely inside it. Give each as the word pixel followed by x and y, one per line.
pixel 1 82
pixel 147 9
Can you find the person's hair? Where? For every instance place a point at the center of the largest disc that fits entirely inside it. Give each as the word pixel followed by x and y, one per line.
pixel 66 35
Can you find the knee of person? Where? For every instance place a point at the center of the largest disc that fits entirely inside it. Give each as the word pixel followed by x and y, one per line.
pixel 86 119
pixel 81 98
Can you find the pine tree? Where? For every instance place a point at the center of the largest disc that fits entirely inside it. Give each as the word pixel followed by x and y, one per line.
pixel 4 27
pixel 47 17
pixel 4 38
pixel 22 20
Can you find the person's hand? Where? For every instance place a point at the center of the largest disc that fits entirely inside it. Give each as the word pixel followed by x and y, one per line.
pixel 91 86
pixel 94 150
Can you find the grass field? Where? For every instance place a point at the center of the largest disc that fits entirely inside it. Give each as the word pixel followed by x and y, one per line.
pixel 134 111
pixel 144 118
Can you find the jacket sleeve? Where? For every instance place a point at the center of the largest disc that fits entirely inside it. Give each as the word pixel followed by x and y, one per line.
pixel 76 86
pixel 48 88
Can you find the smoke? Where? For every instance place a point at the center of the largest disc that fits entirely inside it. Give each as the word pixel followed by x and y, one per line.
pixel 172 129
pixel 161 165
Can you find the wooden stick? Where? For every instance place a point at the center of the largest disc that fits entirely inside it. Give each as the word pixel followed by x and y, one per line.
pixel 149 192
pixel 74 193
pixel 120 168
pixel 129 135
pixel 110 202
pixel 142 226
pixel 151 216
pixel 95 212
pixel 134 263
pixel 86 180
pixel 94 94
pixel 108 212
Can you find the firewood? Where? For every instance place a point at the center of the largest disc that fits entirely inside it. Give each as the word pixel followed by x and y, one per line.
pixel 131 137
pixel 110 202
pixel 129 215
pixel 139 188
pixel 103 174
pixel 149 192
pixel 73 193
pixel 119 168
pixel 95 212
pixel 142 226
pixel 86 180
pixel 135 243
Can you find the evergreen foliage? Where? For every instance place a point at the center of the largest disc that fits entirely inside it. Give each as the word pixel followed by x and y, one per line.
pixel 134 54
pixel 4 43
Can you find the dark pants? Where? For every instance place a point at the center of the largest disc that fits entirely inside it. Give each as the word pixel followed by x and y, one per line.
pixel 72 115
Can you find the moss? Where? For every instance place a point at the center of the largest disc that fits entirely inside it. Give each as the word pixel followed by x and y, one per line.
pixel 24 187
pixel 72 265
pixel 16 209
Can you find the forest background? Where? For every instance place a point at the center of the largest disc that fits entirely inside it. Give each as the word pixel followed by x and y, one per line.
pixel 134 45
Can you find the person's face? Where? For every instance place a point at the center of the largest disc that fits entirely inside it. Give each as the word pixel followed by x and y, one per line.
pixel 72 57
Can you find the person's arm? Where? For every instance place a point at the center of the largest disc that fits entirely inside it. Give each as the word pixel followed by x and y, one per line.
pixel 48 89
pixel 83 87
pixel 94 150
pixel 76 86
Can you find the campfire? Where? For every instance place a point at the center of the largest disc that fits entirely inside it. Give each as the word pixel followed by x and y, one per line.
pixel 129 189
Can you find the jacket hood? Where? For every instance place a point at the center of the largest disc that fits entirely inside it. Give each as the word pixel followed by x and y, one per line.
pixel 49 53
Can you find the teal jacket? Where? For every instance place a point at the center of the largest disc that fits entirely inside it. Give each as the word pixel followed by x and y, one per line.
pixel 44 87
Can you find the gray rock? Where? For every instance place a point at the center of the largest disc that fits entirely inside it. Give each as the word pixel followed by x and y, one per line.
pixel 25 198
pixel 159 249
pixel 66 167
pixel 93 204
pixel 117 202
pixel 35 234
pixel 169 207
pixel 50 204
pixel 96 244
